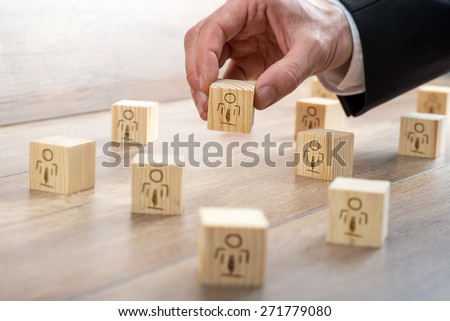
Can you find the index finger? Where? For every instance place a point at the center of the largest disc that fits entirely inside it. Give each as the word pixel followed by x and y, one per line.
pixel 190 42
pixel 215 32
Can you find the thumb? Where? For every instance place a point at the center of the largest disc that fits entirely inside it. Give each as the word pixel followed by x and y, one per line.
pixel 281 78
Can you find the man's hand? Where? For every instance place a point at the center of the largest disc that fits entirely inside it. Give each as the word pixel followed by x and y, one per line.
pixel 278 42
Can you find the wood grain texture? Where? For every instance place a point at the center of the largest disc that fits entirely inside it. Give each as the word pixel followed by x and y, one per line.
pixel 433 99
pixel 157 185
pixel 230 105
pixel 61 164
pixel 88 246
pixel 422 135
pixel 232 247
pixel 134 121
pixel 62 58
pixel 317 90
pixel 317 112
pixel 302 266
pixel 324 154
pixel 358 211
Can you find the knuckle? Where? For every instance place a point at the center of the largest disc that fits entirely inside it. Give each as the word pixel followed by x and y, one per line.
pixel 189 36
pixel 321 49
pixel 291 72
pixel 191 77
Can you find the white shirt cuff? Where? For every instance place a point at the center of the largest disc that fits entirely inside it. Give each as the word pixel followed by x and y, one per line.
pixel 353 81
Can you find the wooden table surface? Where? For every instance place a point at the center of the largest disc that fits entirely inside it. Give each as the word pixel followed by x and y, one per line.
pixel 60 58
pixel 88 246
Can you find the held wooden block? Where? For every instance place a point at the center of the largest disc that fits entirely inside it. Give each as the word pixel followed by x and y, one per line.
pixel 157 185
pixel 422 135
pixel 62 164
pixel 358 211
pixel 317 90
pixel 230 105
pixel 318 112
pixel 232 247
pixel 325 154
pixel 134 121
pixel 433 100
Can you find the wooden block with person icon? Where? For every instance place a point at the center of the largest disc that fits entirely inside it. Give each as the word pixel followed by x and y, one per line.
pixel 433 100
pixel 422 135
pixel 231 105
pixel 134 121
pixel 315 112
pixel 232 247
pixel 358 211
pixel 157 185
pixel 324 153
pixel 62 164
pixel 318 90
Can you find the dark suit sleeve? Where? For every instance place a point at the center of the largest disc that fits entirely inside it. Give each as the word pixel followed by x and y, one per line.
pixel 405 43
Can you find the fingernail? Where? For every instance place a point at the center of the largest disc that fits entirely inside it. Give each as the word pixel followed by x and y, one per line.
pixel 266 95
pixel 201 100
pixel 204 115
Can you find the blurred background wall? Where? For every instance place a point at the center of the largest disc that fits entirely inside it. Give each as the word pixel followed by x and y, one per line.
pixel 73 56
pixel 63 57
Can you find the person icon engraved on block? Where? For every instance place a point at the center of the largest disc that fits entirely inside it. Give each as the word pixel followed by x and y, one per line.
pixel 47 168
pixel 418 138
pixel 127 125
pixel 155 192
pixel 232 255
pixel 432 104
pixel 229 111
pixel 353 216
pixel 311 158
pixel 310 120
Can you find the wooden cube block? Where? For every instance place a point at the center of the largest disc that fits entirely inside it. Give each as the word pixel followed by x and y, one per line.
pixel 134 121
pixel 318 112
pixel 230 105
pixel 157 185
pixel 317 90
pixel 433 100
pixel 358 211
pixel 62 164
pixel 232 246
pixel 422 135
pixel 324 153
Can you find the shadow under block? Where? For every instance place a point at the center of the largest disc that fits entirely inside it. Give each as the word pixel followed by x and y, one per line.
pixel 230 105
pixel 232 247
pixel 134 121
pixel 62 164
pixel 157 185
pixel 358 211
pixel 325 154
pixel 433 100
pixel 422 135
pixel 317 90
pixel 318 112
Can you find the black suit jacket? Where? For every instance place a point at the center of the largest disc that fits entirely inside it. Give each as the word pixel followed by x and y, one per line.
pixel 405 43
